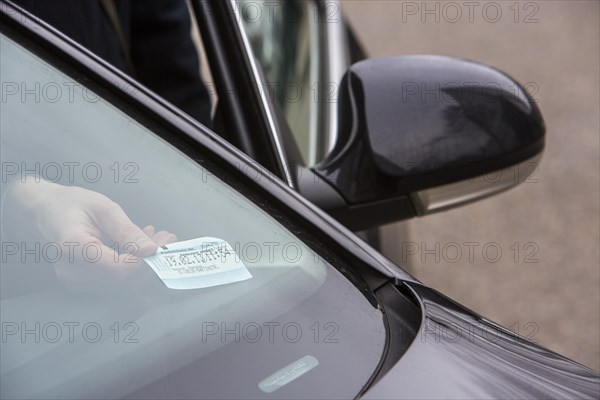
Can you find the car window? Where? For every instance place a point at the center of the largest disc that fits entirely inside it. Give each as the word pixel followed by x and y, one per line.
pixel 284 36
pixel 286 324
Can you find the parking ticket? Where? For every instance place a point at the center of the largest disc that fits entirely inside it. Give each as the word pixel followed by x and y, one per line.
pixel 198 263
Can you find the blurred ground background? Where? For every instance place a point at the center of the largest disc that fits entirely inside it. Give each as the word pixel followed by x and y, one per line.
pixel 553 47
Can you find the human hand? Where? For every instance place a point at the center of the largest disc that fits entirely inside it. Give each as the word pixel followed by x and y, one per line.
pixel 71 217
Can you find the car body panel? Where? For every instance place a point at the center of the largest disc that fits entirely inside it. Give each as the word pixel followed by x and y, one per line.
pixel 435 365
pixel 458 354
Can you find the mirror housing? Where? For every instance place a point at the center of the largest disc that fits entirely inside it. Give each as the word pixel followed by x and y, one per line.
pixel 418 134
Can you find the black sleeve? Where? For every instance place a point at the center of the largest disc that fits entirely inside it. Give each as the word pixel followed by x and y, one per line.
pixel 83 21
pixel 164 56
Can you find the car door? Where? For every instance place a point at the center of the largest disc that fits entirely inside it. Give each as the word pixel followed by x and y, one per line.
pixel 302 51
pixel 283 62
pixel 243 114
pixel 305 324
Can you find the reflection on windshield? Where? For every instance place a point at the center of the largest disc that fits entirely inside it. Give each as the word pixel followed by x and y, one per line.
pixel 87 194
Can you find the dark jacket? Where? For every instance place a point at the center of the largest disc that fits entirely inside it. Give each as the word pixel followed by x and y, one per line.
pixel 157 33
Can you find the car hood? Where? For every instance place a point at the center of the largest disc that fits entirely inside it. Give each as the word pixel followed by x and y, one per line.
pixel 458 354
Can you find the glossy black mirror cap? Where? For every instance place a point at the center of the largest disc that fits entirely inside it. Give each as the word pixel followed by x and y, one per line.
pixel 409 123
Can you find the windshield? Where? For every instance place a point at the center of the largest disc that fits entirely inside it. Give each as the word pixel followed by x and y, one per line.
pixel 130 270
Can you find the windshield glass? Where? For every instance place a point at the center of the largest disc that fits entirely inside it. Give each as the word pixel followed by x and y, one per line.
pixel 233 305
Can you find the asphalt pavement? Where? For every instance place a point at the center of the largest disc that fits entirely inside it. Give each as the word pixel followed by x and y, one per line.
pixel 529 258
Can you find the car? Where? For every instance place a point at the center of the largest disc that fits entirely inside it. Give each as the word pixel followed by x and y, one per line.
pixel 291 303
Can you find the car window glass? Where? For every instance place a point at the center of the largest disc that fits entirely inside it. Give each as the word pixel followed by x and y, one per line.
pixel 284 37
pixel 74 328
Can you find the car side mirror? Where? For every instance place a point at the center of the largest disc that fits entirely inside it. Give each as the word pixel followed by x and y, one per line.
pixel 420 134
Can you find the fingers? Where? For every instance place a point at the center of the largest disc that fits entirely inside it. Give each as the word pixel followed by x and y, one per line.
pixel 149 231
pixel 117 226
pixel 163 238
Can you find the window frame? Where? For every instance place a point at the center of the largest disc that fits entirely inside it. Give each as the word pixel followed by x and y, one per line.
pixel 250 120
pixel 256 120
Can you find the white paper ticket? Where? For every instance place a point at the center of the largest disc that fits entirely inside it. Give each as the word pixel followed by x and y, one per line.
pixel 198 263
